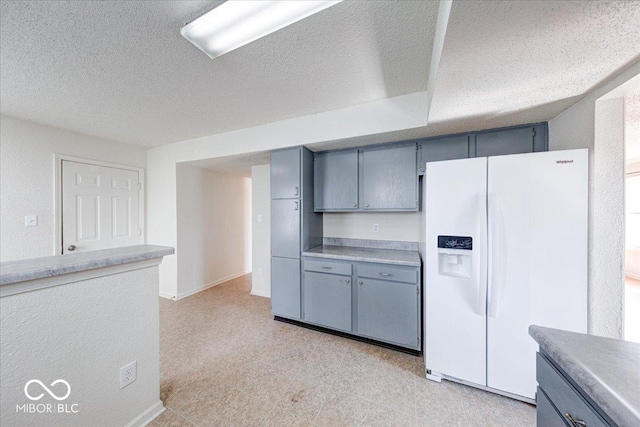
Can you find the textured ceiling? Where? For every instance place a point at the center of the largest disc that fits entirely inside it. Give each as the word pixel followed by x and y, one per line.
pixel 513 62
pixel 234 165
pixel 120 69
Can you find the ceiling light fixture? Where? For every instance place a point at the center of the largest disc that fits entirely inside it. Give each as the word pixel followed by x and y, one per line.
pixel 236 23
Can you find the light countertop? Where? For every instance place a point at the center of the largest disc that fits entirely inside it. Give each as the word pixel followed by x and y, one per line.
pixel 607 370
pixel 38 268
pixel 375 255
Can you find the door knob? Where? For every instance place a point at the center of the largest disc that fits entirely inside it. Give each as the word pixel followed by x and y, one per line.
pixel 71 248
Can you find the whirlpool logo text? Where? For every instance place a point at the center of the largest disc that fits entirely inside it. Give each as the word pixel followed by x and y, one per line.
pixel 36 390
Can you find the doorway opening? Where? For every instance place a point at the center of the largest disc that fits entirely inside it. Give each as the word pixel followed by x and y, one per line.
pixel 220 220
pixel 632 215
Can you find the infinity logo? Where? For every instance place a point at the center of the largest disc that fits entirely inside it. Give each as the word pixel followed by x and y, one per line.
pixel 26 392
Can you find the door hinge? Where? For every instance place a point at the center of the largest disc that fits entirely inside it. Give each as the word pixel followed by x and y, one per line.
pixel 139 186
pixel 139 231
pixel 533 131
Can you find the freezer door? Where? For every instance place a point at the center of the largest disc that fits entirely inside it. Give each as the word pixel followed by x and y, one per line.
pixel 537 215
pixel 455 278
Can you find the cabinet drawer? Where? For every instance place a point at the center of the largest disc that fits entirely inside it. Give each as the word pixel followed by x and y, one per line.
pixel 327 266
pixel 388 272
pixel 546 413
pixel 563 396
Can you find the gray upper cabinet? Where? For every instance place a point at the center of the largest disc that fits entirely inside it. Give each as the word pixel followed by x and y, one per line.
pixel 285 174
pixel 494 142
pixel 446 148
pixel 389 178
pixel 336 181
pixel 285 228
pixel 285 287
pixel 508 141
pixel 388 311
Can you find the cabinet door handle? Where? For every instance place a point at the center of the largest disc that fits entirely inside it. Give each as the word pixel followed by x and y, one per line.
pixel 347 281
pixel 355 205
pixel 367 205
pixel 383 274
pixel 360 283
pixel 297 191
pixel 574 421
pixel 296 208
pixel 326 268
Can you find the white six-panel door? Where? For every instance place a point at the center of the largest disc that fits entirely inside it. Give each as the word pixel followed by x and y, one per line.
pixel 100 207
pixel 454 307
pixel 537 217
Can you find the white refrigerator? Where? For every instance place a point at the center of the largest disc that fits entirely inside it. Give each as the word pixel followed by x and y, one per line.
pixel 504 246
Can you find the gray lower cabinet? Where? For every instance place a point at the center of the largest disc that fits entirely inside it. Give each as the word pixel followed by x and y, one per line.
pixel 336 181
pixel 546 413
pixel 285 228
pixel 285 287
pixel 285 174
pixel 389 178
pixel 571 408
pixel 327 300
pixel 387 311
pixel 372 300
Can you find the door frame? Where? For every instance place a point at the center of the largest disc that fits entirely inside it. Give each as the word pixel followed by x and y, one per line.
pixel 57 196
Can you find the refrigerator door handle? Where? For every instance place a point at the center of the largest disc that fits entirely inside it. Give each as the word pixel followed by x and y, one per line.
pixel 480 248
pixel 496 264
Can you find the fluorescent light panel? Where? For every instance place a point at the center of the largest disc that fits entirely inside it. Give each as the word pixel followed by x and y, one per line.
pixel 235 23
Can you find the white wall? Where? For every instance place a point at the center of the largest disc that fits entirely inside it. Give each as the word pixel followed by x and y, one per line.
pixel 27 180
pixel 261 242
pixel 401 226
pixel 379 117
pixel 83 332
pixel 632 147
pixel 214 228
pixel 576 128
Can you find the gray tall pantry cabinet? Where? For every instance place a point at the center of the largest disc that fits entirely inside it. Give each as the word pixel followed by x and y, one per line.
pixel 295 227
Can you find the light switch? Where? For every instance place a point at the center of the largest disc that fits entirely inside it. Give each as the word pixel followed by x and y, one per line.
pixel 376 228
pixel 259 217
pixel 31 221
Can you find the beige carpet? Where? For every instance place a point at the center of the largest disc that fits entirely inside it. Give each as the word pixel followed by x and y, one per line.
pixel 225 362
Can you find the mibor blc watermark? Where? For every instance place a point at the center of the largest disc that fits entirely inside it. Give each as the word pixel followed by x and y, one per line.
pixel 35 390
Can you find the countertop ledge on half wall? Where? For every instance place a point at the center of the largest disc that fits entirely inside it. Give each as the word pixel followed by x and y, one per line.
pixel 56 265
pixel 607 370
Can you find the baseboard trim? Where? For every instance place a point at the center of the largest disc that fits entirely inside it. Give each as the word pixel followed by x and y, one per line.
pixel 260 293
pixel 147 416
pixel 210 284
pixel 633 276
pixel 166 295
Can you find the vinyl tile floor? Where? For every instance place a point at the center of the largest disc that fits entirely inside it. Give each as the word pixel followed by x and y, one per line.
pixel 224 361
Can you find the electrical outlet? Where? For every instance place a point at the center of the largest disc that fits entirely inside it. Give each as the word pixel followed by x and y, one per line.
pixel 127 374
pixel 31 221
pixel 376 228
pixel 259 217
pixel 260 272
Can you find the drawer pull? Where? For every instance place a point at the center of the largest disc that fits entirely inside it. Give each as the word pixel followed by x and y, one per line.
pixel 386 274
pixel 324 267
pixel 574 421
pixel 360 283
pixel 347 281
